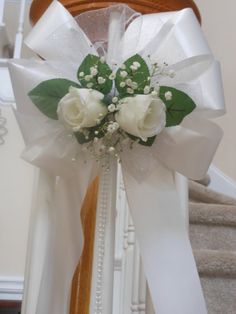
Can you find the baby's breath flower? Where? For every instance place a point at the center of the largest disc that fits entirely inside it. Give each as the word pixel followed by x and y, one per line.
pixel 113 127
pixel 110 128
pixel 133 68
pixel 112 76
pixel 123 67
pixel 122 84
pixel 81 74
pixel 137 64
pixel 168 95
pixel 90 85
pixel 111 108
pixel 115 99
pixel 111 150
pixel 128 82
pixel 146 89
pixel 93 71
pixel 123 74
pixel 101 80
pixel 134 85
pixel 116 125
pixel 130 90
pixel 102 59
pixel 154 93
pixel 88 78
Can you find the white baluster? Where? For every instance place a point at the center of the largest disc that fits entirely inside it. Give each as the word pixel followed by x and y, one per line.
pixel 129 240
pixel 19 34
pixel 142 290
pixel 6 93
pixel 135 287
pixel 2 5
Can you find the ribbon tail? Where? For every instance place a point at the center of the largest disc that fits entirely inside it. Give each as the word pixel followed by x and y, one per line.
pixel 165 248
pixel 56 242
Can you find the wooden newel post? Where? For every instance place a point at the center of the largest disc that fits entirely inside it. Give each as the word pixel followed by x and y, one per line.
pixel 81 285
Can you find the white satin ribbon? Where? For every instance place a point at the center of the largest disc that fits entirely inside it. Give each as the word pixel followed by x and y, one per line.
pixel 175 38
pixel 164 244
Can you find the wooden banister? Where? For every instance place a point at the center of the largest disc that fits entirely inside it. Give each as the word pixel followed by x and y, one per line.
pixel 81 284
pixel 144 6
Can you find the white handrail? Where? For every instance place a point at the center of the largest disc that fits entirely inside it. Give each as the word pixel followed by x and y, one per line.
pixel 6 93
pixel 19 34
pixel 3 62
pixel 2 5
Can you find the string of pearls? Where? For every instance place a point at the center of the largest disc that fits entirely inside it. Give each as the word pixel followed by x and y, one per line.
pixel 101 235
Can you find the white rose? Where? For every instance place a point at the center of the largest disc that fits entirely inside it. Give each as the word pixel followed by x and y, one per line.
pixel 81 108
pixel 142 115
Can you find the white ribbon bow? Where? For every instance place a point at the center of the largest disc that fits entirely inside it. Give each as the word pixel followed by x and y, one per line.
pixel 175 38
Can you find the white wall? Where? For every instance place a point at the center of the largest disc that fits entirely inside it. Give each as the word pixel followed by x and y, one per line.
pixel 219 24
pixel 16 184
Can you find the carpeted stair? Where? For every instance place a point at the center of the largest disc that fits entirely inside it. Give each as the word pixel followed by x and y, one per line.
pixel 213 238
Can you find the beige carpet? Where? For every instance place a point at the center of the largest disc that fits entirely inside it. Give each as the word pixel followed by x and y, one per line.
pixel 213 238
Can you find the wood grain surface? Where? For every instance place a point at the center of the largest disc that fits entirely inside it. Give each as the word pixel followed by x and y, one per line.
pixel 81 284
pixel 10 304
pixel 144 6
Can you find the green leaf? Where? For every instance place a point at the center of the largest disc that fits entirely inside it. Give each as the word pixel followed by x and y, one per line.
pixel 81 138
pixel 104 72
pixel 178 107
pixel 141 76
pixel 47 95
pixel 107 100
pixel 149 142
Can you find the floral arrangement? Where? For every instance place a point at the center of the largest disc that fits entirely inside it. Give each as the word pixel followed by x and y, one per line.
pixel 107 111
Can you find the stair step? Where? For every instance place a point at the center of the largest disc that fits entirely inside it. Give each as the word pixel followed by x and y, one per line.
pixel 216 214
pixel 219 295
pixel 214 263
pixel 213 237
pixel 217 270
pixel 201 193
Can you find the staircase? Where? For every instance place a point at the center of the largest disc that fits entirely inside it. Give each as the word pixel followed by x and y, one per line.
pixel 213 238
